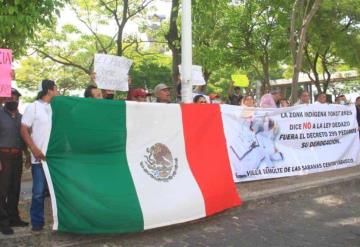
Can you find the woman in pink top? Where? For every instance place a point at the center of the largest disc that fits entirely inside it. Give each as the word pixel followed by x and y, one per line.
pixel 269 100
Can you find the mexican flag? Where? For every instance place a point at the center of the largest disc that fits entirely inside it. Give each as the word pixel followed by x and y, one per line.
pixel 115 166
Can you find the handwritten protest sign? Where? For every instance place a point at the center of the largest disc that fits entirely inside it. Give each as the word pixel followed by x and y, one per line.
pixel 197 75
pixel 112 72
pixel 5 72
pixel 240 80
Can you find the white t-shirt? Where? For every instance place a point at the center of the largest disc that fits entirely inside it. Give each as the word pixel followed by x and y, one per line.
pixel 37 116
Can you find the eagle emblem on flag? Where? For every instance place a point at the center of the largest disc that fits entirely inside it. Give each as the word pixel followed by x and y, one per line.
pixel 159 163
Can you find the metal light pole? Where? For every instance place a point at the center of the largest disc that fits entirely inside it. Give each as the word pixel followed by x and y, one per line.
pixel 186 52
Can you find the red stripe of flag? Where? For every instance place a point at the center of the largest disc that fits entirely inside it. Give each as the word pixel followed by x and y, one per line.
pixel 208 157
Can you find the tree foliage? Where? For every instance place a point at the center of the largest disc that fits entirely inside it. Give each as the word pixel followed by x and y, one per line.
pixel 333 40
pixel 257 37
pixel 34 69
pixel 262 38
pixel 20 20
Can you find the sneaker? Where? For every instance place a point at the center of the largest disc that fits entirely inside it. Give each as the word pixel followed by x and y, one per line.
pixel 18 222
pixel 37 228
pixel 6 230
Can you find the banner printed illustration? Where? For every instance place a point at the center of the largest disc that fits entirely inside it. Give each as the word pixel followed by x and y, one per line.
pixel 269 143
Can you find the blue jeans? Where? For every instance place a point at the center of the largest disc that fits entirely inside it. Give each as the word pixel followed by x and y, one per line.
pixel 38 196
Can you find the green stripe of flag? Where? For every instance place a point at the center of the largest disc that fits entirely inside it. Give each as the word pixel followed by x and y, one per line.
pixel 104 199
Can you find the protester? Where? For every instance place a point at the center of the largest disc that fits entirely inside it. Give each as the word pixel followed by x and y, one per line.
pixel 341 99
pixel 321 98
pixel 92 91
pixel 11 161
pixel 248 101
pixel 139 95
pixel 200 99
pixel 284 103
pixel 271 99
pixel 162 93
pixel 304 98
pixel 234 94
pixel 35 130
pixel 107 94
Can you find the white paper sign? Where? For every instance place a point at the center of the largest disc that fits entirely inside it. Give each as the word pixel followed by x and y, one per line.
pixel 112 72
pixel 197 75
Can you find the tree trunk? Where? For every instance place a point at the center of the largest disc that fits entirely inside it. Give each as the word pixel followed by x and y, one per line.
pixel 313 64
pixel 266 74
pixel 176 61
pixel 119 50
pixel 173 40
pixel 301 44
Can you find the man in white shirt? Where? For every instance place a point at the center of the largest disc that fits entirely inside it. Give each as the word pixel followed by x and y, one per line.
pixel 35 130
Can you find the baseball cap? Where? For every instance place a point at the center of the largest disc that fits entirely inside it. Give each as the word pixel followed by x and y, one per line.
pixel 214 96
pixel 140 92
pixel 160 87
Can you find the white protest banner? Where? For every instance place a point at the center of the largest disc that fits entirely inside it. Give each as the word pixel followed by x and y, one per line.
pixel 197 75
pixel 271 143
pixel 112 72
pixel 5 72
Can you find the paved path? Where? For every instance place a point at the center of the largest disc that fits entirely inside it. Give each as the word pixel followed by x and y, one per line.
pixel 329 219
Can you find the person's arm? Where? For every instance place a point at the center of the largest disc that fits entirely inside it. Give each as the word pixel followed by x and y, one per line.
pixel 27 121
pixel 230 89
pixel 27 158
pixel 25 134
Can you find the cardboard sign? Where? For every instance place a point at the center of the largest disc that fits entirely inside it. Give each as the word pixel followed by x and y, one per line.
pixel 5 72
pixel 240 80
pixel 112 72
pixel 196 76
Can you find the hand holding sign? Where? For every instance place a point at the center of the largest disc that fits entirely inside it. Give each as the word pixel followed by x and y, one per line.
pixel 112 72
pixel 5 72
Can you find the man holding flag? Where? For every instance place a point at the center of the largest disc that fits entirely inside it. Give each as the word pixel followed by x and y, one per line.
pixel 35 130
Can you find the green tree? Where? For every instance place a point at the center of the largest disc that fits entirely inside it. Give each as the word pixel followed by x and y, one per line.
pixel 34 69
pixel 208 34
pixel 74 48
pixel 257 37
pixel 302 14
pixel 70 47
pixel 173 40
pixel 95 13
pixel 333 39
pixel 148 71
pixel 20 20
